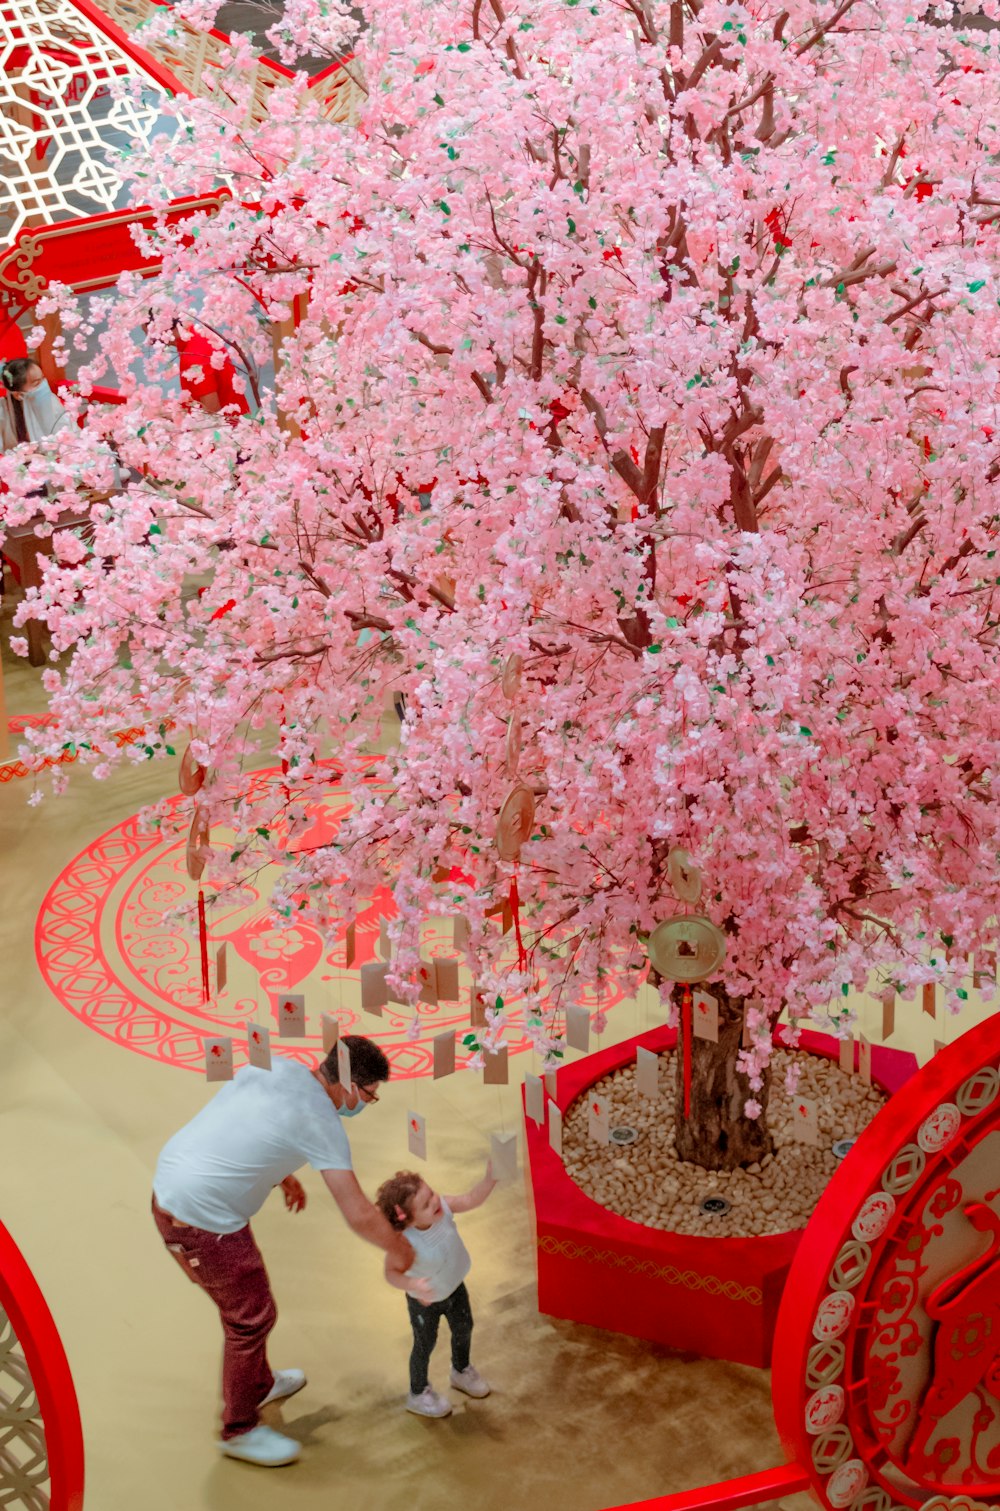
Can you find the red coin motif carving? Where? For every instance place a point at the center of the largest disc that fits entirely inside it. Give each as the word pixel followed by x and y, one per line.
pixel 111 958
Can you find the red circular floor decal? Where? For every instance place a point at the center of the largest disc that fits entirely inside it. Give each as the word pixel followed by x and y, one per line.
pixel 108 955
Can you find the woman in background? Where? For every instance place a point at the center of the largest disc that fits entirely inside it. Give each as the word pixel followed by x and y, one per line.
pixel 30 411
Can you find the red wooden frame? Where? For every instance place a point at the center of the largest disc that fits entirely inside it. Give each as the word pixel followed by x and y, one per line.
pixel 38 1336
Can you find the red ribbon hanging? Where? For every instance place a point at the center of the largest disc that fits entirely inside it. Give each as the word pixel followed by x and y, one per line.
pixel 515 907
pixel 203 938
pixel 686 1028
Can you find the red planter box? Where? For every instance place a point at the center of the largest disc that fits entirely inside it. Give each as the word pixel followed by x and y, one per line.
pixel 717 1297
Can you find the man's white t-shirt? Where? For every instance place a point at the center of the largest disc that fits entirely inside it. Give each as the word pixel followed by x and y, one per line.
pixel 219 1169
pixel 442 1257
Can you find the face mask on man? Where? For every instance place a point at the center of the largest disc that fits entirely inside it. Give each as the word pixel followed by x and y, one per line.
pixel 352 1112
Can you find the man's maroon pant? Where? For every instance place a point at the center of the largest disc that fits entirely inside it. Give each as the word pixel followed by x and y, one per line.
pixel 229 1267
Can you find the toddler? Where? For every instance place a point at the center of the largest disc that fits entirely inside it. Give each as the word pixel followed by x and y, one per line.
pixel 438 1273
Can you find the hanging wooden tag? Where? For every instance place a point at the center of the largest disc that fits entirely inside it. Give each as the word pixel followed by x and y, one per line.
pixel 847 1054
pixel 384 942
pixel 805 1120
pixel 578 1028
pixel 888 1013
pixel 647 1072
pixel 930 999
pixel 705 1017
pixel 444 1054
pixel 344 1065
pixel 461 936
pixel 477 1007
pixel 331 1031
pixel 495 1068
pixel 374 994
pixel 218 1059
pixel 351 944
pixel 864 1060
pixel 598 1119
pixel 292 1016
pixel 534 1098
pixel 258 1046
pixel 503 1156
pixel 428 984
pixel 221 969
pixel 555 1129
pixel 416 1140
pixel 446 980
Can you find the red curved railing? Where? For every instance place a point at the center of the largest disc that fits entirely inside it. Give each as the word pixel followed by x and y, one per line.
pixel 38 1337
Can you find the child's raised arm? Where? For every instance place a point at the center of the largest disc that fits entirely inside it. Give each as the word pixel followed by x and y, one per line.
pixel 474 1198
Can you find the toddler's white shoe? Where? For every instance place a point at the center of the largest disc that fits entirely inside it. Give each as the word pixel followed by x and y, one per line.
pixel 262 1445
pixel 428 1404
pixel 286 1383
pixel 471 1382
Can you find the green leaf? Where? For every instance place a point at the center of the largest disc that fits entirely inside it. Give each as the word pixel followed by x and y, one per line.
pixel 975 287
pixel 804 731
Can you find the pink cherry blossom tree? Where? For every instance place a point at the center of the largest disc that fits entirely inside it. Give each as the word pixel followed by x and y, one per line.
pixel 636 419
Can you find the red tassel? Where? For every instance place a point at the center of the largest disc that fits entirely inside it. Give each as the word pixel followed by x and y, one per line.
pixel 515 907
pixel 687 1029
pixel 203 938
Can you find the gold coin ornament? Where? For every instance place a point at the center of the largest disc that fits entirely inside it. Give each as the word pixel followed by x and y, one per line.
pixel 684 876
pixel 510 677
pixel 197 845
pixel 686 949
pixel 191 777
pixel 513 753
pixel 515 822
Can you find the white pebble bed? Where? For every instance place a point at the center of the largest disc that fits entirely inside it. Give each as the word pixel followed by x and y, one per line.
pixel 648 1184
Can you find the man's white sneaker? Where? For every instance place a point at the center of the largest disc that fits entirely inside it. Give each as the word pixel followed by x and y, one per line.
pixel 471 1382
pixel 428 1404
pixel 286 1383
pixel 262 1445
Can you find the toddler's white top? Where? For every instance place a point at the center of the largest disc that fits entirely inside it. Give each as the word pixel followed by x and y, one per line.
pixel 442 1257
pixel 220 1168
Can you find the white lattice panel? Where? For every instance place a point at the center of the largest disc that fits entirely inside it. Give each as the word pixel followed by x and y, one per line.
pixel 24 1465
pixel 57 117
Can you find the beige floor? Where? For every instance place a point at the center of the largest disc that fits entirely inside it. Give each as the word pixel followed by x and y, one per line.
pixel 580 1420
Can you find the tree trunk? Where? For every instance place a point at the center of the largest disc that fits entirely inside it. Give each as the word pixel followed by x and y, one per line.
pixel 718 1136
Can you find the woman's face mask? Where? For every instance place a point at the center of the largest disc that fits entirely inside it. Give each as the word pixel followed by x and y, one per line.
pixel 40 390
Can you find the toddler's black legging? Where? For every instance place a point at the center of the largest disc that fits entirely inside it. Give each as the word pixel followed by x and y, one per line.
pixel 425 1321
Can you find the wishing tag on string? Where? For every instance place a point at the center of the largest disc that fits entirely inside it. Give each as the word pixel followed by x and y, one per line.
pixel 705 1017
pixel 477 1007
pixel 847 1054
pixel 930 999
pixel 578 1028
pixel 495 1068
pixel 374 995
pixel 221 969
pixel 864 1060
pixel 938 1045
pixel 461 936
pixel 550 1083
pixel 444 1053
pixel 384 942
pixel 446 980
pixel 218 1059
pixel 428 987
pixel 503 1155
pixel 888 1013
pixel 343 1065
pixel 351 945
pixel 555 1129
pixel 534 1098
pixel 258 1046
pixel 805 1120
pixel 416 1135
pixel 331 1031
pixel 292 1016
pixel 647 1072
pixel 599 1120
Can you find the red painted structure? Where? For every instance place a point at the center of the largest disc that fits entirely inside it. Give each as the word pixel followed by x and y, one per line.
pixel 886 1380
pixel 717 1297
pixel 38 1336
